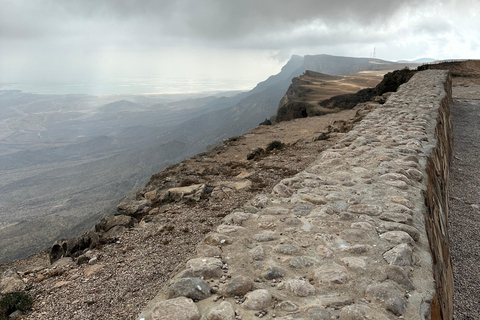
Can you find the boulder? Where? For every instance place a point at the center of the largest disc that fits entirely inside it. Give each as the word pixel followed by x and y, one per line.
pixel 134 207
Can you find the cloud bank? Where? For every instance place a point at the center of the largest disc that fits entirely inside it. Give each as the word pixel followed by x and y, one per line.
pixel 90 39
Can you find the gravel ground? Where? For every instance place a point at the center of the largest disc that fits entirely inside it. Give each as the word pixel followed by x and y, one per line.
pixel 464 218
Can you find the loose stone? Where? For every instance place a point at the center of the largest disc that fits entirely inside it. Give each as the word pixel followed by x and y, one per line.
pixel 397 217
pixel 324 251
pixel 238 218
pixel 354 263
pixel 415 174
pixel 257 253
pixel 400 200
pixel 207 268
pixel 369 209
pixel 362 226
pixel 238 286
pixel 223 228
pixel 274 272
pixel 398 184
pixel 224 311
pixel 331 274
pixel 397 237
pixel 276 211
pixel 287 249
pixel 205 250
pixel 300 288
pixel 360 312
pixel 217 239
pixel 400 255
pixel 319 314
pixel 193 288
pixel 282 190
pixel 300 262
pixel 293 221
pixel 287 306
pixel 394 226
pixel 357 249
pixel 388 295
pixel 355 235
pixel 264 237
pixel 257 300
pixel 398 275
pixel 178 308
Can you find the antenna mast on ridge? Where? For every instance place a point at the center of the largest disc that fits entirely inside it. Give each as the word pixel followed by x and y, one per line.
pixel 373 56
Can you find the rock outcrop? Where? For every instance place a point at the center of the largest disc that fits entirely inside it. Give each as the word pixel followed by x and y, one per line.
pixel 305 100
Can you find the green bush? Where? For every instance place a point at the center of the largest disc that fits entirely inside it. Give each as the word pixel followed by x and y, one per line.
pixel 14 301
pixel 275 145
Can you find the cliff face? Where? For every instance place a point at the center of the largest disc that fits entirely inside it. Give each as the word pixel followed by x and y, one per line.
pixel 315 94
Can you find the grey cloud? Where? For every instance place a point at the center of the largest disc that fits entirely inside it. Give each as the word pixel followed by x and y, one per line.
pixel 207 20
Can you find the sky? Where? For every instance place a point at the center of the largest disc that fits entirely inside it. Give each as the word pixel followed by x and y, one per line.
pixel 230 43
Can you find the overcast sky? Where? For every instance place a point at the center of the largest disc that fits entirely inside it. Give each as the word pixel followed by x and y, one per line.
pixel 75 41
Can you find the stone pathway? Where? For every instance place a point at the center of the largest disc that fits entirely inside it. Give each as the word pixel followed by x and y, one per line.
pixel 343 239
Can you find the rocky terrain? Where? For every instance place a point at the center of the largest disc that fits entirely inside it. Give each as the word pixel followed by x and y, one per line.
pixel 116 278
pixel 67 160
pixel 127 267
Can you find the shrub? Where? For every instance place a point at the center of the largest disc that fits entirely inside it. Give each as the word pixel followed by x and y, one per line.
pixel 255 153
pixel 275 145
pixel 14 301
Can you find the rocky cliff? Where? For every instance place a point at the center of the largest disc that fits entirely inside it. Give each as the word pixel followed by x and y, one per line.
pixel 315 94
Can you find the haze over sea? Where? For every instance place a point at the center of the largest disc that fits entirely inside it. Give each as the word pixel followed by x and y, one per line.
pixel 136 85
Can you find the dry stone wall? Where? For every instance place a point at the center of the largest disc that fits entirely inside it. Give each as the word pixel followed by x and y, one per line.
pixel 344 239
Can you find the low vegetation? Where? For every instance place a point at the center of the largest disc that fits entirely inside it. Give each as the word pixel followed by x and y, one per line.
pixel 275 145
pixel 14 301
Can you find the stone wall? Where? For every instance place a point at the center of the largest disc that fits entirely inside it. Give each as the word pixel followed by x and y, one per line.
pixel 348 238
pixel 436 216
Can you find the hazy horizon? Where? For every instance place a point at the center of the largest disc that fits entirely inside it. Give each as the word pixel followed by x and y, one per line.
pixel 136 85
pixel 215 44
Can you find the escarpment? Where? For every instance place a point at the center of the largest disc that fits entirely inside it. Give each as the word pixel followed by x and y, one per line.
pixel 314 94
